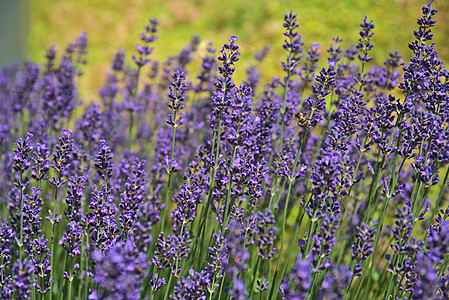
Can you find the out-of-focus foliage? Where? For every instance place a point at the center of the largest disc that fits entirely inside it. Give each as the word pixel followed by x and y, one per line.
pixel 13 30
pixel 112 24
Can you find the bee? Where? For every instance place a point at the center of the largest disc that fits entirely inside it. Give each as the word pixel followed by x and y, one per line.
pixel 302 120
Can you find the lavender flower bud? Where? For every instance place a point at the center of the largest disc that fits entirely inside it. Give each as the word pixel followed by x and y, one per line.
pixel 147 37
pixel 61 157
pixel 363 247
pixel 176 94
pixel 365 40
pixel 119 274
pixel 103 161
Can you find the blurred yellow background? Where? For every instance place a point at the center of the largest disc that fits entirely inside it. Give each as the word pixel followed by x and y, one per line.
pixel 115 24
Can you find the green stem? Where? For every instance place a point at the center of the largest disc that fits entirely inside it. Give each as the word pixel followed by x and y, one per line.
pixel 166 203
pixel 53 254
pixel 131 121
pixel 228 192
pixel 86 284
pixel 202 224
pixel 312 291
pixel 167 190
pixel 254 277
pixel 376 241
pixel 373 255
pixel 444 267
pixel 361 75
pixel 345 241
pixel 52 257
pixel 1 271
pixel 198 221
pixel 291 179
pixel 221 286
pixel 152 289
pixel 293 242
pixel 284 101
pixel 70 289
pixel 349 192
pixel 21 216
pixel 33 293
pixel 371 205
pixel 273 193
pixel 211 291
pixel 69 273
pixel 310 230
pixel 359 287
pixel 393 277
pixel 282 115
pixel 82 262
pixel 168 286
pixel 348 288
pixel 130 129
pixel 440 197
pixel 281 138
pixel 61 282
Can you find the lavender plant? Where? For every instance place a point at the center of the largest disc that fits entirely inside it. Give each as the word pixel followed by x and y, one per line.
pixel 326 182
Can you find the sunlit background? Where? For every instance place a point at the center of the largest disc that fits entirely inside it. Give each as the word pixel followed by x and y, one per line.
pixel 28 28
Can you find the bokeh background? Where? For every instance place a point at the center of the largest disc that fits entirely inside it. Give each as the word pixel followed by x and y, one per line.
pixel 115 24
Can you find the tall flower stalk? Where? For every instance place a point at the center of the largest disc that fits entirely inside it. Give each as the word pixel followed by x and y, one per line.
pixel 220 101
pixel 147 37
pixel 176 95
pixel 22 163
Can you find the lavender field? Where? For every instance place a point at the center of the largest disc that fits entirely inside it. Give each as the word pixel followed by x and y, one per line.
pixel 326 182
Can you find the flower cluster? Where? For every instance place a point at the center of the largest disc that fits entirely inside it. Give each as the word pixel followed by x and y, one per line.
pixel 322 183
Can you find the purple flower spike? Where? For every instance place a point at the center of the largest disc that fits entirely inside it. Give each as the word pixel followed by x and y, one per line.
pixel 147 37
pixel 19 286
pixel 176 95
pixel 292 44
pixel 365 41
pixel 103 160
pixel 119 274
pixel 192 287
pixel 363 247
pixel 297 284
pixel 229 55
pixel 61 157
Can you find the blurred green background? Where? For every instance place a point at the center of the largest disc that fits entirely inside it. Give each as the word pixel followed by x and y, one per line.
pixel 114 24
pixel 14 24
